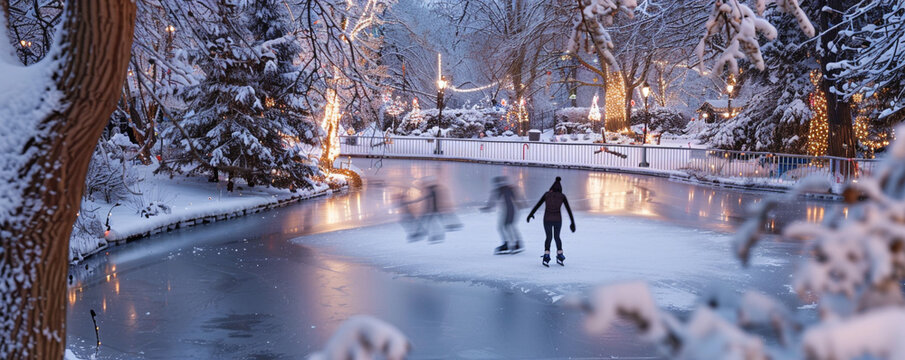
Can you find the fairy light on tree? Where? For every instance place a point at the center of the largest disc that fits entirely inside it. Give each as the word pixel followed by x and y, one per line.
pixel 871 142
pixel 415 116
pixel 594 115
pixel 819 128
pixel 614 106
pixel 332 114
pixel 522 113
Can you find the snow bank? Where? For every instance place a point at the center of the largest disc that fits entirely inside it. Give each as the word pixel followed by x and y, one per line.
pixel 674 260
pixel 191 201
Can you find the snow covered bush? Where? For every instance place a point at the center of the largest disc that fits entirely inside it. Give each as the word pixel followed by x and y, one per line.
pixel 854 267
pixel 87 232
pixel 563 128
pixel 458 123
pixel 111 176
pixel 364 337
pixel 661 120
pixel 571 114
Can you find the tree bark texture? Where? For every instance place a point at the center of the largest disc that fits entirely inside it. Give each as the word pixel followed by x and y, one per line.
pixel 841 137
pixel 90 69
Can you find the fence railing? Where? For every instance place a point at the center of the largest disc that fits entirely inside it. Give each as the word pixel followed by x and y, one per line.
pixel 743 167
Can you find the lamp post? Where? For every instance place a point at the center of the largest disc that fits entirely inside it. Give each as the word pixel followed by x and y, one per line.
pixel 441 88
pixel 645 92
pixel 730 85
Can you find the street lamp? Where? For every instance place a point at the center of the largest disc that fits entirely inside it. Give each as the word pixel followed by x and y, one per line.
pixel 730 85
pixel 645 92
pixel 441 88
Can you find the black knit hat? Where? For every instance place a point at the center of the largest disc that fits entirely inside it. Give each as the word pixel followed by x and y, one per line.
pixel 557 187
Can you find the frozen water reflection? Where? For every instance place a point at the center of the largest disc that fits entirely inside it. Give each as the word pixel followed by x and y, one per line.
pixel 243 289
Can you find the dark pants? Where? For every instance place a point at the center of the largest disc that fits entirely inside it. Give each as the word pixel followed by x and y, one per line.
pixel 552 229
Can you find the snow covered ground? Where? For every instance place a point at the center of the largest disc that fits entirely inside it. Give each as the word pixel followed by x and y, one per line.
pixel 187 200
pixel 605 249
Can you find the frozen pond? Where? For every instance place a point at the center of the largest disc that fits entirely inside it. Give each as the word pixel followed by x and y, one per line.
pixel 276 284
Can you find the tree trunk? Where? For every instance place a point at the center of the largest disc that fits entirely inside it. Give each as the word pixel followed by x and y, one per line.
pixel 841 139
pixel 47 183
pixel 629 92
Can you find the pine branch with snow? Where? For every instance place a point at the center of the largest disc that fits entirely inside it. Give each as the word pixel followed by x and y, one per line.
pixel 739 27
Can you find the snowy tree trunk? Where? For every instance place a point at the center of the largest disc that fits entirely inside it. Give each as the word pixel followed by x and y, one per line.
pixel 841 139
pixel 88 76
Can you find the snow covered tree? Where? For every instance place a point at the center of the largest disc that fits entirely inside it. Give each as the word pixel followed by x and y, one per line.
pixel 874 40
pixel 247 115
pixel 658 33
pixel 53 114
pixel 777 111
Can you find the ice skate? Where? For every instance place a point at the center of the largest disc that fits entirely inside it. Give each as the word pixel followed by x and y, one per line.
pixel 560 258
pixel 516 249
pixel 546 260
pixel 501 250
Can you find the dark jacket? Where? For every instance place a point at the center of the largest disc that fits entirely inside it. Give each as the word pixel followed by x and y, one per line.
pixel 555 200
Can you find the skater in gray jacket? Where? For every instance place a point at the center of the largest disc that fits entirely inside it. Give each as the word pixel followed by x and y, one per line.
pixel 505 194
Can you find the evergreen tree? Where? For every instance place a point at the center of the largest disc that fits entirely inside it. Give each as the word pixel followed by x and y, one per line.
pixel 776 113
pixel 247 116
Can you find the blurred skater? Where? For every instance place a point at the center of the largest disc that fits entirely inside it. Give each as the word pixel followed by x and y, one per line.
pixel 553 220
pixel 408 217
pixel 438 216
pixel 505 193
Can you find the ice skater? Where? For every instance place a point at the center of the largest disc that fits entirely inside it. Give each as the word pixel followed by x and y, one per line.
pixel 553 220
pixel 506 195
pixel 438 216
pixel 408 217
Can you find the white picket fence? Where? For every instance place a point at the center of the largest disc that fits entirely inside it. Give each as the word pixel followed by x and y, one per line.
pixel 741 167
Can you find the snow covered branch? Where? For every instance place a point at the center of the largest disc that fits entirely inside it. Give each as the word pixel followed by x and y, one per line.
pixel 596 15
pixel 739 26
pixel 361 338
pixel 855 270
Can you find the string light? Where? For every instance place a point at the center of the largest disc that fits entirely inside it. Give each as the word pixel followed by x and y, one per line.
pixel 819 127
pixel 615 102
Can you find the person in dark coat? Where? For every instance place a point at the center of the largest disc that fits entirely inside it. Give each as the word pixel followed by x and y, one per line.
pixel 505 194
pixel 553 219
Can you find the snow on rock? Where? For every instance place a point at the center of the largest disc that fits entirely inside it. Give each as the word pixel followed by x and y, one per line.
pixel 361 338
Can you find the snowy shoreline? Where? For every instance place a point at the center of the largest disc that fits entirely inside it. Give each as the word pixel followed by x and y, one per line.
pixel 191 201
